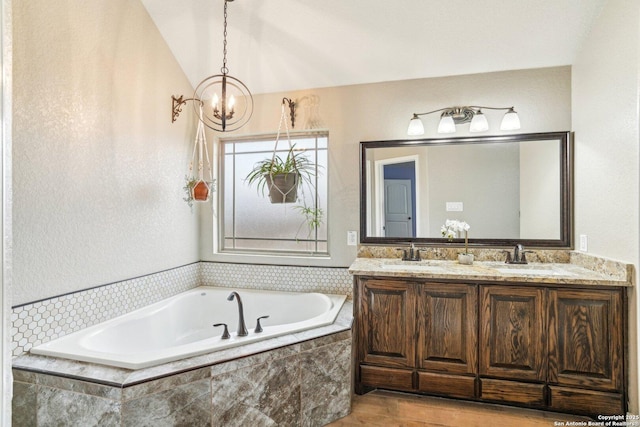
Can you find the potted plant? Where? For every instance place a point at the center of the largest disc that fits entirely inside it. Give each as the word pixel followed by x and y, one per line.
pixel 450 230
pixel 197 190
pixel 282 177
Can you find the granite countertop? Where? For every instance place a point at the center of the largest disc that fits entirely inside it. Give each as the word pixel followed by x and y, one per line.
pixel 548 273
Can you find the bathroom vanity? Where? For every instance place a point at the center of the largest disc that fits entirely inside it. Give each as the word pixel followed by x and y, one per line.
pixel 544 335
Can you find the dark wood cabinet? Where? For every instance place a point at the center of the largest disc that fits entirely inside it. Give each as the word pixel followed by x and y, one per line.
pixel 418 336
pixel 513 344
pixel 447 339
pixel 513 333
pixel 541 346
pixel 586 352
pixel 388 330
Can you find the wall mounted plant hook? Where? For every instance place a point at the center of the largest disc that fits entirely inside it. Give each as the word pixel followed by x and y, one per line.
pixel 292 110
pixel 177 104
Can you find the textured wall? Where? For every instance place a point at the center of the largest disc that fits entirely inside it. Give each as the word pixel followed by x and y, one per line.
pixel 98 166
pixel 382 111
pixel 605 119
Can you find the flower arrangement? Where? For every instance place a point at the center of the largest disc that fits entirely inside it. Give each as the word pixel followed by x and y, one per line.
pixel 452 227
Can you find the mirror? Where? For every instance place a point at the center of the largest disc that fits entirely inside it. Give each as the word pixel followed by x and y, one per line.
pixel 510 189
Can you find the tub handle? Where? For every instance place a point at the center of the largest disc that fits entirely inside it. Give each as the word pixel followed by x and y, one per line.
pixel 258 328
pixel 225 334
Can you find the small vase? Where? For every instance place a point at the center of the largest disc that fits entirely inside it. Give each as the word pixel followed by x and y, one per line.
pixel 465 259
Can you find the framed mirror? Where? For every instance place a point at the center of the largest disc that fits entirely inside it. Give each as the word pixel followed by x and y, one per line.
pixel 510 189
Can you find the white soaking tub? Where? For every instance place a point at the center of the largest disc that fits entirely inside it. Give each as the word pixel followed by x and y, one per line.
pixel 182 326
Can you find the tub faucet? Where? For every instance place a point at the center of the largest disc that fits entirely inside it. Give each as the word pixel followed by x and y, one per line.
pixel 242 328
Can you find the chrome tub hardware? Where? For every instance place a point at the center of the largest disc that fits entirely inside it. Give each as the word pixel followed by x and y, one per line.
pixel 242 328
pixel 258 328
pixel 225 334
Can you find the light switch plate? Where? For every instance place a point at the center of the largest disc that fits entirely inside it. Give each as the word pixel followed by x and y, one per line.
pixel 583 242
pixel 352 238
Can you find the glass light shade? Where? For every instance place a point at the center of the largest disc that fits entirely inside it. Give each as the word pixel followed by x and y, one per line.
pixel 446 125
pixel 510 121
pixel 415 127
pixel 479 123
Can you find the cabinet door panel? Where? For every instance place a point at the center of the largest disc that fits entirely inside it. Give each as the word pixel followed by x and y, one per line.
pixel 447 328
pixel 388 312
pixel 513 333
pixel 586 338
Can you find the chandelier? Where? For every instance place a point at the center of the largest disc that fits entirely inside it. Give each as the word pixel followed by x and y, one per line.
pixel 227 102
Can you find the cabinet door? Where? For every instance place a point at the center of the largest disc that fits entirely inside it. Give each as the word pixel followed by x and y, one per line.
pixel 585 338
pixel 388 322
pixel 513 337
pixel 447 328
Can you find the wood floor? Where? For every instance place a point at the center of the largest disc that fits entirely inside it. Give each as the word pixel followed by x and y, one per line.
pixel 383 408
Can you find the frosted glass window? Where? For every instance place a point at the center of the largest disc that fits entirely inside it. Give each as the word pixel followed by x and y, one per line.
pixel 249 221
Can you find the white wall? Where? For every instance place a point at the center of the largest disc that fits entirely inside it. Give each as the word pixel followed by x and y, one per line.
pixel 6 386
pixel 381 111
pixel 606 124
pixel 98 166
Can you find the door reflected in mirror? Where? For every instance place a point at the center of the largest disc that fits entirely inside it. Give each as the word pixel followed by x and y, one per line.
pixel 509 189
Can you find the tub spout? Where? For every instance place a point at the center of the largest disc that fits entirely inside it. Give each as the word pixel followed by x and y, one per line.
pixel 242 328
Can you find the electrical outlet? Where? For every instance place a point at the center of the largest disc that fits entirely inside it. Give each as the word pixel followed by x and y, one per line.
pixel 352 238
pixel 454 206
pixel 583 242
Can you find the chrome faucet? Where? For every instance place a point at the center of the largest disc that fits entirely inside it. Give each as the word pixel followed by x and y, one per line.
pixel 518 255
pixel 242 328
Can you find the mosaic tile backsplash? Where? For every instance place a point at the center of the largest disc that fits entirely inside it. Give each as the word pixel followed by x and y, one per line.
pixel 35 323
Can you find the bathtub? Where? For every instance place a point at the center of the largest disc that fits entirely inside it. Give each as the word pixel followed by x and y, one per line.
pixel 182 326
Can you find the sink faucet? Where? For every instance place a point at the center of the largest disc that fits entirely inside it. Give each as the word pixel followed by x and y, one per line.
pixel 518 255
pixel 242 328
pixel 412 255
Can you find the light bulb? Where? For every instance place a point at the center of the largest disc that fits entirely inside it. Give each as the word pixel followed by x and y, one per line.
pixel 510 121
pixel 415 126
pixel 446 125
pixel 479 123
pixel 232 102
pixel 215 100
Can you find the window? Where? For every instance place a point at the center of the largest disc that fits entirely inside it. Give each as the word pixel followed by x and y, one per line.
pixel 250 222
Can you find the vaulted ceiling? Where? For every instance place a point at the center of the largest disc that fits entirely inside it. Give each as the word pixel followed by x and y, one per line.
pixel 283 45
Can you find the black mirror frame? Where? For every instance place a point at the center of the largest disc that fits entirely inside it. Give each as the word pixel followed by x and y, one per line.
pixel 566 191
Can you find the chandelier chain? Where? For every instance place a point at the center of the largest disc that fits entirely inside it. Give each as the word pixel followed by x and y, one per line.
pixel 224 68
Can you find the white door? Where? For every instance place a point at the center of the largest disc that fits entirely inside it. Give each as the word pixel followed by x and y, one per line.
pixel 398 206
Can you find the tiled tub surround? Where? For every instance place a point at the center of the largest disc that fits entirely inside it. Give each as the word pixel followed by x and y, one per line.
pixel 302 379
pixel 42 321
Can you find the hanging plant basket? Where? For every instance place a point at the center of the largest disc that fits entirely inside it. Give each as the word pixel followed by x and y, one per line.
pixel 200 191
pixel 283 188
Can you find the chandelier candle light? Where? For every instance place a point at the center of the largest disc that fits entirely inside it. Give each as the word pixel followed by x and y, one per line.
pixel 450 230
pixel 452 116
pixel 229 103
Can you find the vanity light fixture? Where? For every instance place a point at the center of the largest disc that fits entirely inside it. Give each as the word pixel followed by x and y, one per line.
pixel 452 116
pixel 228 102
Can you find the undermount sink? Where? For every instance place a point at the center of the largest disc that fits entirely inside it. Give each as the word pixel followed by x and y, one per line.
pixel 411 267
pixel 533 271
